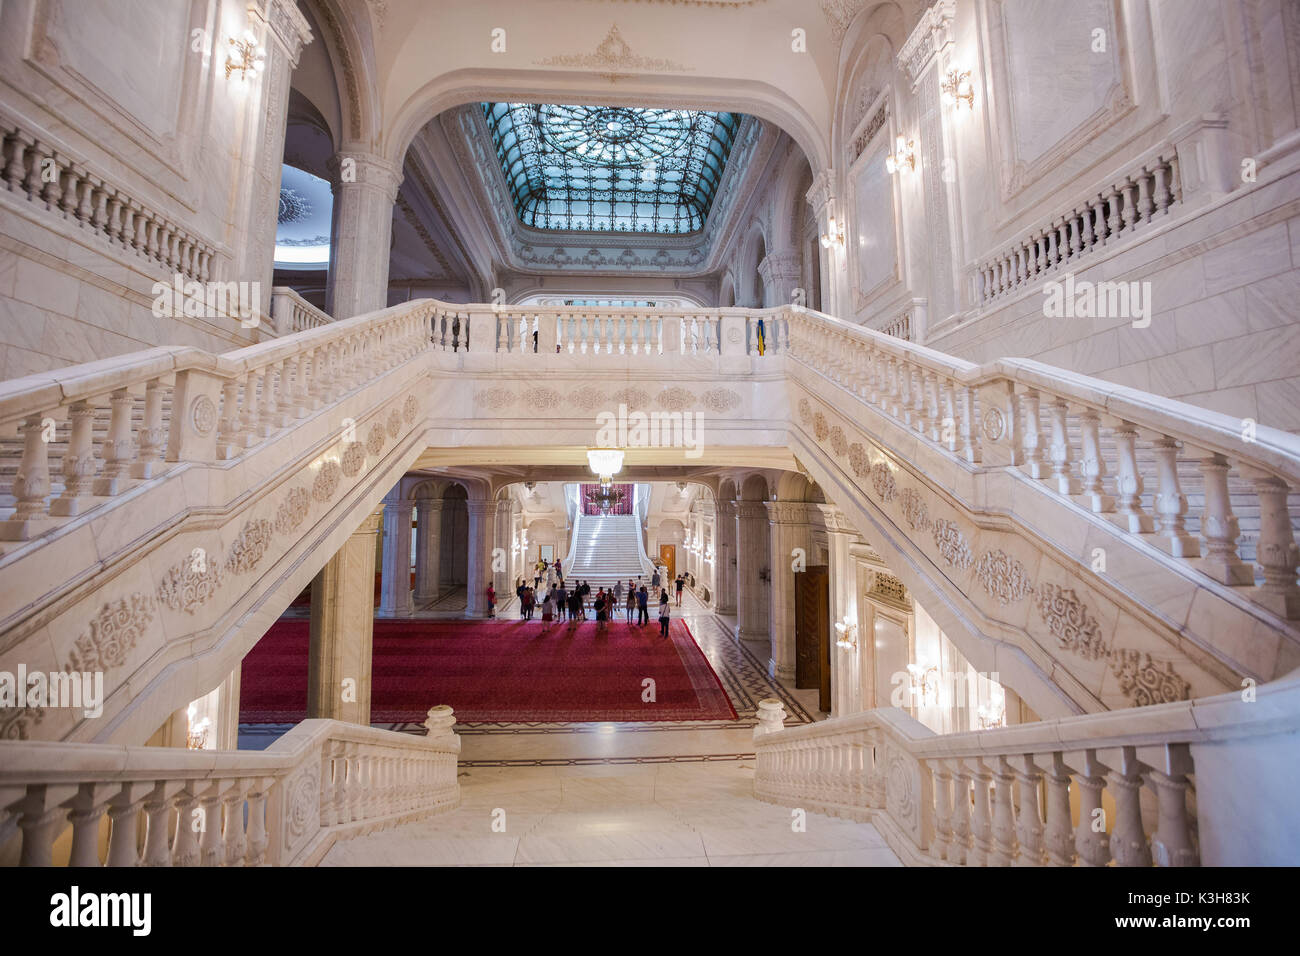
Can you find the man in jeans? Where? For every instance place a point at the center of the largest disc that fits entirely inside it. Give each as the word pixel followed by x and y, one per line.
pixel 642 607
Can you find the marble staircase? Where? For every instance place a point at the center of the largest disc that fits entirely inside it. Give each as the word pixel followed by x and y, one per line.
pixel 607 549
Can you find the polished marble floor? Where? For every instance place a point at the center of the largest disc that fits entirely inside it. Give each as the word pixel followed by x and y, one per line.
pixel 669 814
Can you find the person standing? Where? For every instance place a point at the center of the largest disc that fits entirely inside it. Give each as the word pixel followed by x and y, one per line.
pixel 664 614
pixel 492 600
pixel 631 602
pixel 655 580
pixel 618 592
pixel 681 583
pixel 642 611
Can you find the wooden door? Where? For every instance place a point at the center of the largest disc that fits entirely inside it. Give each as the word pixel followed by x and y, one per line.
pixel 668 558
pixel 812 625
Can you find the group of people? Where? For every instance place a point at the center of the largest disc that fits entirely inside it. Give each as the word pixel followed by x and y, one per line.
pixel 572 602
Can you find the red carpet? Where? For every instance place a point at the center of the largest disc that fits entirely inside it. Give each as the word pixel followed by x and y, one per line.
pixel 506 670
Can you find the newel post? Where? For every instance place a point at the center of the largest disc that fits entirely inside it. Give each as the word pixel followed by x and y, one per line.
pixel 999 424
pixel 195 413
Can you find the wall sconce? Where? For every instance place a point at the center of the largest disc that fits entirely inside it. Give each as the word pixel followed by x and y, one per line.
pixel 834 234
pixel 957 89
pixel 991 716
pixel 196 737
pixel 925 683
pixel 848 634
pixel 246 55
pixel 904 155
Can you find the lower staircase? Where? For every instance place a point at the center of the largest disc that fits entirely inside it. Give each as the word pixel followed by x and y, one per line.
pixel 607 549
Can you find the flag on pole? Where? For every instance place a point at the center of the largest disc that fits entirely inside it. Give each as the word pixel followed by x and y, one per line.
pixel 762 338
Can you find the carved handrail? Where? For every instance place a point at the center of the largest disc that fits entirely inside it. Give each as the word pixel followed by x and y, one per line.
pixel 291 313
pixel 993 416
pixel 974 798
pixel 226 403
pixel 322 780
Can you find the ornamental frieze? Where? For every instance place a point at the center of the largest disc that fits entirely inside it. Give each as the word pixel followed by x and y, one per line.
pixel 250 546
pixel 1068 620
pixel 112 634
pixel 1003 577
pixel 293 510
pixel 187 585
pixel 952 544
pixel 327 481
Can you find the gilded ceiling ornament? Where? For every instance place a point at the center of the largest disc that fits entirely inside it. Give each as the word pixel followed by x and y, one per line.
pixel 614 59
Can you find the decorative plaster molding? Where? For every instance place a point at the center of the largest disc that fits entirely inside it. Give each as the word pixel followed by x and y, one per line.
pixel 112 634
pixel 614 60
pixel 932 34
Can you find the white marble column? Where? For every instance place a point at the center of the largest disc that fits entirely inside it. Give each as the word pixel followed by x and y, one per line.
pixel 752 556
pixel 395 575
pixel 845 664
pixel 282 31
pixel 504 521
pixel 365 188
pixel 724 557
pixel 428 549
pixel 478 569
pixel 789 530
pixel 342 628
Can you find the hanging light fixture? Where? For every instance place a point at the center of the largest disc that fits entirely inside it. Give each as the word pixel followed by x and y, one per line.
pixel 834 234
pixel 904 155
pixel 605 462
pixel 246 56
pixel 848 634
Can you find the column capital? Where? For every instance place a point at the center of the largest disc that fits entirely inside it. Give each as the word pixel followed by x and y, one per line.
pixel 821 194
pixel 365 170
pixel 835 520
pixel 286 26
pixel 751 509
pixel 788 512
pixel 399 506
pixel 481 507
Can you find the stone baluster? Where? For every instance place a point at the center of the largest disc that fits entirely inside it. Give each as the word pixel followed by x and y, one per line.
pixel 329 776
pixel 1062 457
pixel 40 826
pixel 1160 176
pixel 209 824
pixel 1093 465
pixel 1058 836
pixel 1085 216
pixel 948 410
pixel 1171 503
pixel 1130 205
pixel 1029 821
pixel 185 848
pixel 1073 221
pixel 236 842
pixel 86 811
pixel 118 449
pixel 1091 841
pixel 959 833
pixel 256 834
pixel 1003 847
pixel 1033 438
pixel 1171 844
pixel 1219 526
pixel 916 387
pixel 1275 551
pixel 356 783
pixel 904 411
pixel 79 463
pixel 157 829
pixel 16 169
pixel 942 809
pixel 970 449
pixel 153 436
pixel 230 426
pixel 1145 204
pixel 248 426
pixel 1053 256
pixel 1128 481
pixel 981 852
pixel 1128 842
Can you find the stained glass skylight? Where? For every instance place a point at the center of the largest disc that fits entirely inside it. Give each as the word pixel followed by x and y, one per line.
pixel 611 168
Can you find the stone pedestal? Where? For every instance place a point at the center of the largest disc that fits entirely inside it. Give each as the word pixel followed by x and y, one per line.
pixel 342 626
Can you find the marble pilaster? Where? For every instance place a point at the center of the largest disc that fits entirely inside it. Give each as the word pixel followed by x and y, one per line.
pixel 365 188
pixel 395 575
pixel 428 547
pixel 342 628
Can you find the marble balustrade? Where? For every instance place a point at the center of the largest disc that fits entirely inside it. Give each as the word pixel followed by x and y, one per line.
pixel 290 312
pixel 43 172
pixel 1004 797
pixel 284 806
